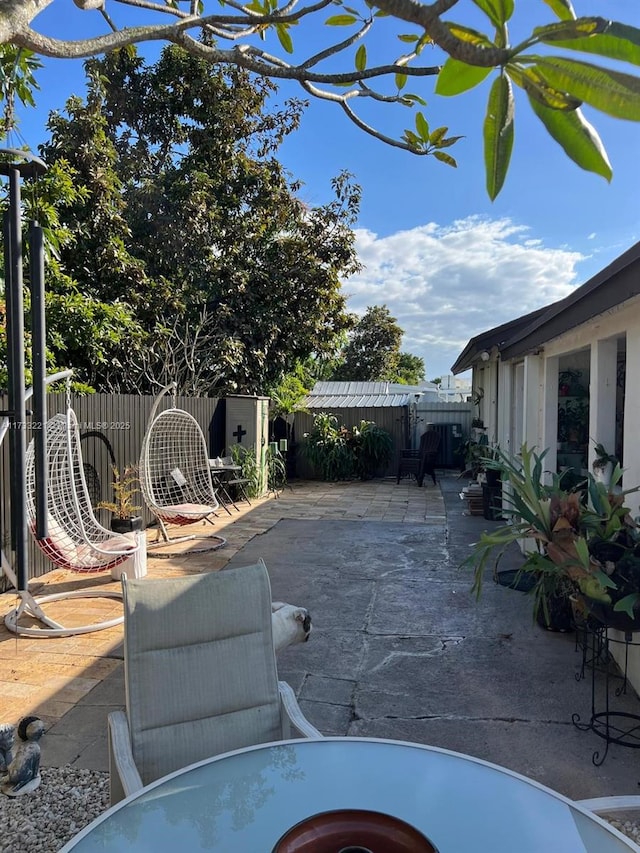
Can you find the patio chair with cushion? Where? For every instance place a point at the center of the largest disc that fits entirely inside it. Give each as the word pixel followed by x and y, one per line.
pixel 174 471
pixel 200 675
pixel 72 538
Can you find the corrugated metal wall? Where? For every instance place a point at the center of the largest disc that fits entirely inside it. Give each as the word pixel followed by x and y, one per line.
pixel 111 428
pixel 445 413
pixel 405 427
pixel 394 420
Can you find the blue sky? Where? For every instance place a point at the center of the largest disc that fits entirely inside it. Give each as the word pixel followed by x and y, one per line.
pixel 446 261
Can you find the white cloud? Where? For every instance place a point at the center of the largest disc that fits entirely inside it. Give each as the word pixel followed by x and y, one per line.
pixel 445 284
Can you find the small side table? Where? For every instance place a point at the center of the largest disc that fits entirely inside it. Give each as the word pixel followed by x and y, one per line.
pixel 620 727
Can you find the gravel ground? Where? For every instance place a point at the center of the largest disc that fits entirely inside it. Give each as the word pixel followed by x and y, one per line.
pixel 69 799
pixel 43 821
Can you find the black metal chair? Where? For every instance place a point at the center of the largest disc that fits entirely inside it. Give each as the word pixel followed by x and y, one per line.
pixel 429 445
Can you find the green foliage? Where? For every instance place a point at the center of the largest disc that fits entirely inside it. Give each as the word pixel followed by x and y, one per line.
pixel 18 67
pixel 189 228
pixel 126 486
pixel 287 395
pixel 341 453
pixel 373 448
pixel 276 470
pixel 250 469
pixel 562 524
pixel 498 134
pixel 603 457
pixel 465 57
pixel 373 349
pixel 410 369
pixel 327 449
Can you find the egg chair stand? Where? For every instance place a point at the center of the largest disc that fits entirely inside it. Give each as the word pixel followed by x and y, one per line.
pixel 175 475
pixel 71 537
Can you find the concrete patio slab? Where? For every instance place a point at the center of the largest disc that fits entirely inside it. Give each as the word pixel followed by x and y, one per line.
pixel 399 647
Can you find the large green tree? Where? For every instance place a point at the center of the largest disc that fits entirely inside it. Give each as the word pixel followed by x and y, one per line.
pixel 187 219
pixel 553 67
pixel 411 369
pixel 372 352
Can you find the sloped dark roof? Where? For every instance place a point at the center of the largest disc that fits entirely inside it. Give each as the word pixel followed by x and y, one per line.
pixel 485 341
pixel 613 285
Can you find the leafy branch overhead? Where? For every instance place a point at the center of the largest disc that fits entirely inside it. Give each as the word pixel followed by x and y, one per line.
pixel 564 63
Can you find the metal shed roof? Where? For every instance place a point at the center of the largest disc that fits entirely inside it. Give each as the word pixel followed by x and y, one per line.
pixel 350 401
pixel 349 395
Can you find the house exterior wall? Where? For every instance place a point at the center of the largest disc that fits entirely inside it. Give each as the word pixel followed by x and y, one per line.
pixel 538 386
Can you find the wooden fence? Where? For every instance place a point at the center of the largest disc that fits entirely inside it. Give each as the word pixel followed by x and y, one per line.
pixel 111 430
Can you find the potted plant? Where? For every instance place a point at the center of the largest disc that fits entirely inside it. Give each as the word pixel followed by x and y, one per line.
pixel 560 525
pixel 603 464
pixel 124 518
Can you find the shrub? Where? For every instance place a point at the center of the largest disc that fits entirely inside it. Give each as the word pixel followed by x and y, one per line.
pixel 339 453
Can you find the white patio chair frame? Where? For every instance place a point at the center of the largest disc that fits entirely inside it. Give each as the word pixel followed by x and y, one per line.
pixel 75 539
pixel 175 475
pixel 200 675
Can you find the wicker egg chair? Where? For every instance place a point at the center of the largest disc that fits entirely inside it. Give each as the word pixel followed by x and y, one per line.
pixel 175 475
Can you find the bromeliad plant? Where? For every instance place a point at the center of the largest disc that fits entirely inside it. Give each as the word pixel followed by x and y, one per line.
pixel 340 453
pixel 562 526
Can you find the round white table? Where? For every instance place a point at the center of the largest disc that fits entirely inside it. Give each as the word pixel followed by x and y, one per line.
pixel 244 801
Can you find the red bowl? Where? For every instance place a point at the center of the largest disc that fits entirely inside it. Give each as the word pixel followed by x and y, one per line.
pixel 353 831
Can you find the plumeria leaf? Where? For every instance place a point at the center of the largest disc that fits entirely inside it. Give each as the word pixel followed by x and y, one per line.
pixel 422 126
pixel 577 137
pixel 416 99
pixel 410 39
pixel 411 137
pixel 456 77
pixel 498 135
pixel 535 85
pixel 612 92
pixel 468 35
pixel 616 41
pixel 498 11
pixel 401 80
pixel 562 9
pixel 445 158
pixel 569 30
pixel 449 141
pixel 341 20
pixel 284 37
pixel 361 58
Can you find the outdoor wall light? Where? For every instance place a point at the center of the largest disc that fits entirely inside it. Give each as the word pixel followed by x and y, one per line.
pixel 484 355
